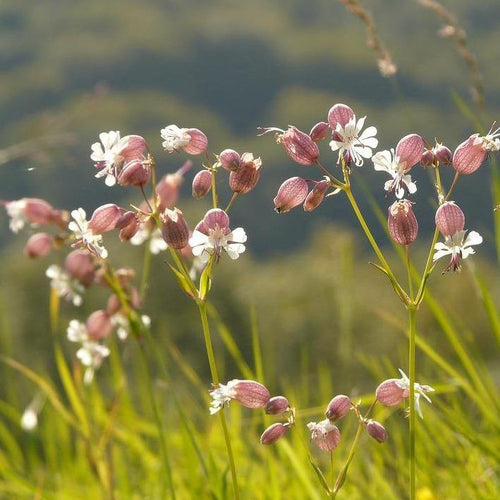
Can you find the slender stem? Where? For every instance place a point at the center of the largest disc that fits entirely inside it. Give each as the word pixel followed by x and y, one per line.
pixel 215 199
pixel 159 424
pixel 343 472
pixel 332 178
pixel 402 294
pixel 202 306
pixel 421 289
pixel 231 201
pixel 408 269
pixel 452 187
pixel 412 313
pixel 146 269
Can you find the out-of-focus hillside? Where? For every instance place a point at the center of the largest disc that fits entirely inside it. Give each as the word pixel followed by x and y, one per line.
pixel 74 69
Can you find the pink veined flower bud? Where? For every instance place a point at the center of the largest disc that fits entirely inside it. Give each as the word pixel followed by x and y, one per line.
pixel 273 433
pixel 230 159
pixel 104 218
pixel 128 224
pixel 469 155
pixel 40 212
pixel 339 114
pixel 449 219
pixel 277 405
pixel 175 230
pixel 320 131
pixel 113 305
pixel 325 435
pixel 135 173
pixel 338 407
pixel 443 155
pixel 168 187
pixel 202 184
pixel 299 146
pixel 246 177
pixel 251 394
pixel 409 151
pixel 290 194
pixel 428 158
pixel 198 142
pixel 98 325
pixel 390 392
pixel 79 264
pixel 376 430
pixel 38 245
pixel 403 225
pixel 135 148
pixel 316 196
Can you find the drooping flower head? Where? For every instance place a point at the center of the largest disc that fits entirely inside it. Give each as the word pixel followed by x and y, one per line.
pixel 249 393
pixel 84 237
pixel 114 152
pixel 213 234
pixel 347 138
pixel 458 246
pixel 324 434
pixel 190 140
pixel 402 223
pixel 408 153
pixel 393 391
pixel 33 211
pixel 65 286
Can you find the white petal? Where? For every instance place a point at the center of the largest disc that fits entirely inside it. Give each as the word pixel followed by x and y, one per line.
pixel 441 252
pixel 198 238
pixel 238 235
pixel 369 134
pixel 382 161
pixel 473 238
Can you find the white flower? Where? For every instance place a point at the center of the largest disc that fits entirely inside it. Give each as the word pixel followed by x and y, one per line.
pixel 320 429
pixel 174 138
pixel 156 242
pixel 401 182
pixel 16 210
pixel 84 236
pixel 222 395
pixel 66 287
pixel 204 245
pixel 108 155
pixel 29 419
pixel 91 353
pixel 348 141
pixel 420 390
pixel 458 247
pixel 491 141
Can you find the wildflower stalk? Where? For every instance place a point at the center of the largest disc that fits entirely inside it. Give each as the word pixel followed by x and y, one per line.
pixel 343 472
pixel 412 318
pixel 202 307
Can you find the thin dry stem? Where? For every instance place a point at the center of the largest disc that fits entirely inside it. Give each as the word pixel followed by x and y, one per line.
pixel 386 65
pixel 454 31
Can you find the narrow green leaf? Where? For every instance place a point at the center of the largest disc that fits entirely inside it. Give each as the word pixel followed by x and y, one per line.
pixel 182 281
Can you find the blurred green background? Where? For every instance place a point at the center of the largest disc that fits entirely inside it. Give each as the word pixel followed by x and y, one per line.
pixel 72 69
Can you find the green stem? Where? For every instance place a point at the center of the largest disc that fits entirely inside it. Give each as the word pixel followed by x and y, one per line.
pixel 146 269
pixel 397 287
pixel 202 306
pixel 159 424
pixel 412 317
pixel 231 201
pixel 215 199
pixel 343 472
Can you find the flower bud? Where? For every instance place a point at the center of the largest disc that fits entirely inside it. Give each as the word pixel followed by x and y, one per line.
pixel 469 155
pixel 251 394
pixel 277 405
pixel 428 158
pixel 376 430
pixel 175 230
pixel 449 219
pixel 230 159
pixel 320 131
pixel 443 155
pixel 390 392
pixel 273 433
pixel 202 183
pixel 198 142
pixel 128 224
pixel 338 407
pixel 80 266
pixel 290 194
pixel 38 245
pixel 104 218
pixel 339 114
pixel 299 146
pixel 316 196
pixel 167 189
pixel 246 177
pixel 98 325
pixel 38 211
pixel 403 225
pixel 113 305
pixel 135 173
